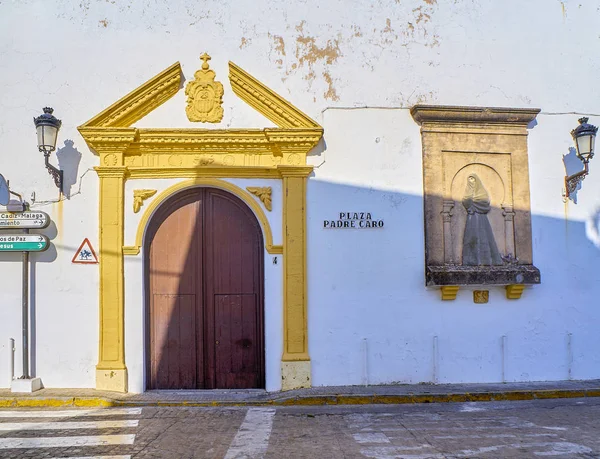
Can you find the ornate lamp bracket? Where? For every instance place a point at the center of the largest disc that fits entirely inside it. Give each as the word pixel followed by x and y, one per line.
pixel 572 181
pixel 56 173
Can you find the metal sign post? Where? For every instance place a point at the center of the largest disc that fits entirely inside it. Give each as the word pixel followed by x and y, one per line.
pixel 16 218
pixel 25 305
pixel 25 243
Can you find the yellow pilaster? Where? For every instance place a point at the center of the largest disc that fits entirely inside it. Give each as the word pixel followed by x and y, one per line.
pixel 295 365
pixel 111 372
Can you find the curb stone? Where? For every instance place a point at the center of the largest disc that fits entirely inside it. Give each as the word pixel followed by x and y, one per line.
pixel 309 400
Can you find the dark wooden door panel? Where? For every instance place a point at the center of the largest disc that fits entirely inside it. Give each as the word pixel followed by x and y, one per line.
pixel 205 289
pixel 237 346
pixel 233 267
pixel 175 354
pixel 174 251
pixel 173 342
pixel 234 240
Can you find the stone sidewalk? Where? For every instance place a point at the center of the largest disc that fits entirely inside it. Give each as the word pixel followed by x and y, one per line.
pixel 332 395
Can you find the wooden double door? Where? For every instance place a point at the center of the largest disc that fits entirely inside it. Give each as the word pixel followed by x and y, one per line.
pixel 204 285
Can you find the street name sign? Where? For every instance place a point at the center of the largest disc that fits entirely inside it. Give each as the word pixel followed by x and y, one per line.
pixel 24 220
pixel 23 243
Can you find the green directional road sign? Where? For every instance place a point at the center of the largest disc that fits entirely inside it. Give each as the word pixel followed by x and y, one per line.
pixel 23 243
pixel 24 220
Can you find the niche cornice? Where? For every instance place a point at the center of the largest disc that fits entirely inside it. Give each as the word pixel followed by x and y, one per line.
pixel 446 114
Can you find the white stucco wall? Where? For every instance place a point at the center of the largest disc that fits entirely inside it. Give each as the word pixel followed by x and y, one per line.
pixel 356 67
pixel 370 290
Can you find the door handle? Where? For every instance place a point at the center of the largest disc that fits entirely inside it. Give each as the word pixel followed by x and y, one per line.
pixel 217 342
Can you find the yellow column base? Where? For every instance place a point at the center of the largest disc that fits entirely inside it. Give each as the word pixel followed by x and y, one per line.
pixel 295 375
pixel 111 379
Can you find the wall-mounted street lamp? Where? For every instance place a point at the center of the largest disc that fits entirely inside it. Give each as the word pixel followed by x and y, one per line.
pixel 584 136
pixel 47 126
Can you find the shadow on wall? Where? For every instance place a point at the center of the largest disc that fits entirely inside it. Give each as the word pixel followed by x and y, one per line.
pixel 372 320
pixel 68 161
pixel 592 228
pixel 573 165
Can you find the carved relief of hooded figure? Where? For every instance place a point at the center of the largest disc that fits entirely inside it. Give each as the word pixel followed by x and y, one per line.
pixel 479 245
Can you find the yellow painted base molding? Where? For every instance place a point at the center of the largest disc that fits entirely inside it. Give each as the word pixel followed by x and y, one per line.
pixel 295 375
pixel 514 291
pixel 111 379
pixel 449 292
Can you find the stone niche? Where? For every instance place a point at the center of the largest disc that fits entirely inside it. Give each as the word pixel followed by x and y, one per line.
pixel 476 191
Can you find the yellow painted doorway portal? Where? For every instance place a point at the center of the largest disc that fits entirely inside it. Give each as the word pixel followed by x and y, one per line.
pixel 203 156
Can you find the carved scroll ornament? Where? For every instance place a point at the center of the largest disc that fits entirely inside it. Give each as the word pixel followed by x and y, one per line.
pixel 263 193
pixel 139 196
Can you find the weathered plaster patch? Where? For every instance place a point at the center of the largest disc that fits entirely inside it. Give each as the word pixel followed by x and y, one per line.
pixel 387 33
pixel 435 41
pixel 103 23
pixel 331 93
pixel 307 51
pixel 421 16
pixel 244 42
pixel 356 31
pixel 310 76
pixel 388 26
pixel 311 55
pixel 279 44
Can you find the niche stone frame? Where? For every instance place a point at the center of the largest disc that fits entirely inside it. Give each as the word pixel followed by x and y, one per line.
pixel 476 197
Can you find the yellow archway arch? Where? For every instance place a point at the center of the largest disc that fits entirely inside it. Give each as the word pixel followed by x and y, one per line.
pixel 206 182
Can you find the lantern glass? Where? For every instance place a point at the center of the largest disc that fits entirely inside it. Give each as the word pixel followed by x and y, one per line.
pixel 46 135
pixel 585 146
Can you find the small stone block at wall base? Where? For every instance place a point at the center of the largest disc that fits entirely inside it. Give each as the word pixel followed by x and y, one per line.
pixel 514 292
pixel 449 292
pixel 295 375
pixel 481 296
pixel 111 379
pixel 26 385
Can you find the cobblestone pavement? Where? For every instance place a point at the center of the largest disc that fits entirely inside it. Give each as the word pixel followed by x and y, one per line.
pixel 560 428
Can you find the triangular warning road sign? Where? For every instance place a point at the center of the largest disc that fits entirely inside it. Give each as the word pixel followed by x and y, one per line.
pixel 85 254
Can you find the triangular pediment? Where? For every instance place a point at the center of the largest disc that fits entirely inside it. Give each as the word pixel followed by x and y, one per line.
pixel 141 101
pixel 266 101
pixel 171 152
pixel 162 87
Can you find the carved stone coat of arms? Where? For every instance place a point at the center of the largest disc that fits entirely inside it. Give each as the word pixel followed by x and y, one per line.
pixel 204 95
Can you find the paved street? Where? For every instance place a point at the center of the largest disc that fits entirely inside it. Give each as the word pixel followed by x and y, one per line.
pixel 546 428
